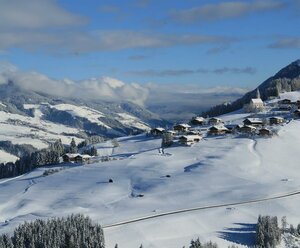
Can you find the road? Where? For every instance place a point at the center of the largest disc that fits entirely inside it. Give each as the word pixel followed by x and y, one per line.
pixel 181 211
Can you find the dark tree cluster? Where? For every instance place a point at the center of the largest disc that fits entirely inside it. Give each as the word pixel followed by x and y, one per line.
pixel 90 141
pixel 197 244
pixel 75 231
pixel 92 151
pixel 33 160
pixel 268 233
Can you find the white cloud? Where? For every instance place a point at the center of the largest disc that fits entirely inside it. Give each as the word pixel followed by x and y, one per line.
pixel 172 101
pixel 102 88
pixel 33 14
pixel 225 10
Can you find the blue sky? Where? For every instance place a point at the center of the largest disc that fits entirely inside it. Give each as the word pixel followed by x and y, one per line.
pixel 205 43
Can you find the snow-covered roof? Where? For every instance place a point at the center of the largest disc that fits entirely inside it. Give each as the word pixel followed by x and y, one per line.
pixel 254 120
pixel 215 118
pixel 220 128
pixel 256 101
pixel 249 126
pixel 72 155
pixel 199 118
pixel 159 129
pixel 183 125
pixel 276 117
pixel 190 137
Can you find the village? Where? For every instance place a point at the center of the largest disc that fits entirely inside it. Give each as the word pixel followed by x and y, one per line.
pixel 261 120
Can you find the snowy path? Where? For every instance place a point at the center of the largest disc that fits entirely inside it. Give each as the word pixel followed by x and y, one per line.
pixel 180 211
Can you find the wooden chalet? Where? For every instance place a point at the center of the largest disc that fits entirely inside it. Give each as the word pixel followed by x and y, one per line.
pixel 189 139
pixel 285 101
pixel 247 129
pixel 181 127
pixel 197 121
pixel 75 158
pixel 217 130
pixel 193 132
pixel 253 122
pixel 214 121
pixel 158 131
pixel 81 158
pixel 276 120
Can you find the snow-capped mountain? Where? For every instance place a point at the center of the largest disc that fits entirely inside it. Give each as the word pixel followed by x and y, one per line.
pixel 28 117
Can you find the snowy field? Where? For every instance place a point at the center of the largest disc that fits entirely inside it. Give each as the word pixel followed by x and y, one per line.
pixel 216 171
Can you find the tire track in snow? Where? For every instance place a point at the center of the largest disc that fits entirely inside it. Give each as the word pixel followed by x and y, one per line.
pixel 253 150
pixel 181 211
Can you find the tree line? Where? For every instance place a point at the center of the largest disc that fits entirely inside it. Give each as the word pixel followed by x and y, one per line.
pixel 31 159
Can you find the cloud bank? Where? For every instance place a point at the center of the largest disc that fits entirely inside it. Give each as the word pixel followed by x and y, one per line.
pixel 183 72
pixel 171 101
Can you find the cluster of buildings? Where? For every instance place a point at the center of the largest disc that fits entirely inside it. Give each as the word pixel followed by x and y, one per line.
pixel 188 134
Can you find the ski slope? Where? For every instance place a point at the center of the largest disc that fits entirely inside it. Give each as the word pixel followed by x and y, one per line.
pixel 260 173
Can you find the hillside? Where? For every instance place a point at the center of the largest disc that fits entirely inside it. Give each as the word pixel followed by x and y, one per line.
pixel 286 80
pixel 218 170
pixel 37 119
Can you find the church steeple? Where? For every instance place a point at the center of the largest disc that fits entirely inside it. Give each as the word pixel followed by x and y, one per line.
pixel 257 93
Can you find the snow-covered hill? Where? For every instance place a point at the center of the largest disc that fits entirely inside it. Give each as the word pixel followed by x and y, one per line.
pixel 218 170
pixel 37 119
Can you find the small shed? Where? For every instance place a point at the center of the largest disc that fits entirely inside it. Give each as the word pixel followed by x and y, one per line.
pixel 158 131
pixel 265 132
pixel 297 113
pixel 189 139
pixel 217 130
pixel 197 121
pixel 182 127
pixel 276 120
pixel 253 121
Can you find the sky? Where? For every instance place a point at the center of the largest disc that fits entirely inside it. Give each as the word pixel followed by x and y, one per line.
pixel 162 42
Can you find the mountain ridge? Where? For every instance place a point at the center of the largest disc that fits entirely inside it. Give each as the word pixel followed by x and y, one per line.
pixel 285 80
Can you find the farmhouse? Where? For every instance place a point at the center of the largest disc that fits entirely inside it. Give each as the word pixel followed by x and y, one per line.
pixel 193 132
pixel 82 158
pixel 253 121
pixel 218 130
pixel 158 131
pixel 275 120
pixel 247 129
pixel 182 127
pixel 214 121
pixel 189 139
pixel 285 101
pixel 197 121
pixel 265 132
pixel 75 157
